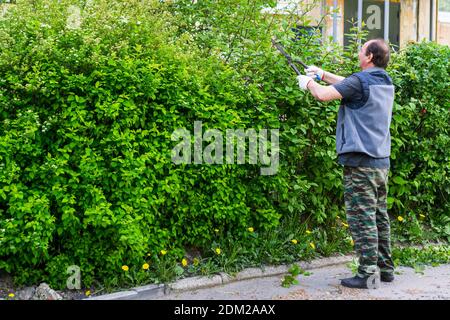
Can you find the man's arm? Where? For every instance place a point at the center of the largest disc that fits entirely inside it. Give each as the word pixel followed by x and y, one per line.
pixel 349 88
pixel 323 93
pixel 331 78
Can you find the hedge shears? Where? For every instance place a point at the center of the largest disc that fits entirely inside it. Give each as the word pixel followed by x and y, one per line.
pixel 290 60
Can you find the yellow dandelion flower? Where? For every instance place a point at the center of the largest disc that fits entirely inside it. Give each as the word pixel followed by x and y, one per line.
pixel 250 229
pixel 196 261
pixel 294 241
pixel 345 224
pixel 163 252
pixel 149 254
pixel 184 262
pixel 125 268
pixel 11 295
pixel 312 245
pixel 87 293
pixel 145 266
pixel 218 251
pixel 308 232
pixel 400 218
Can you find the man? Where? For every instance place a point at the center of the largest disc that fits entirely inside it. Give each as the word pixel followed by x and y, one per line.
pixel 363 145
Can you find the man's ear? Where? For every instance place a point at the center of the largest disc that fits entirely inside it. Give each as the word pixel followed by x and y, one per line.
pixel 370 57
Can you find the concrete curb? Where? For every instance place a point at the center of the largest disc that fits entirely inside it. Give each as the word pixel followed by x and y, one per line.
pixel 193 283
pixel 145 292
pixel 121 295
pixel 325 262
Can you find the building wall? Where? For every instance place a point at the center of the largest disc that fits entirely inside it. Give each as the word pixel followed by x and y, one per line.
pixel 408 21
pixel 443 28
pixel 340 21
pixel 423 31
pixel 419 23
pixel 415 18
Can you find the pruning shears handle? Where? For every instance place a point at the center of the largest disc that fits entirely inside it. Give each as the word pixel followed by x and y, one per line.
pixel 316 76
pixel 291 61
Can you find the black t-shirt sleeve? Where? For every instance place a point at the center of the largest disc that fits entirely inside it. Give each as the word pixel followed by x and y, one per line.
pixel 350 88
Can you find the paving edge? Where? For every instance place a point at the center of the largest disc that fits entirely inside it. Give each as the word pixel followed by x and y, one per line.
pixel 138 293
pixel 198 282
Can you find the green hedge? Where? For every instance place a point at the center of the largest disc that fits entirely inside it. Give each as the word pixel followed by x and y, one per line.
pixel 87 109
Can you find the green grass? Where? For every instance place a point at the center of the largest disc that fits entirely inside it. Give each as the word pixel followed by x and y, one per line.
pixel 414 257
pixel 428 255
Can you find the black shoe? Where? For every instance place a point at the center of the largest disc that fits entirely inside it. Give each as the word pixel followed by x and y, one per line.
pixel 387 277
pixel 357 282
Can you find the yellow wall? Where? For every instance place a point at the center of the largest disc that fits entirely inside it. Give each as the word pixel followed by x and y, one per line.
pixel 408 21
pixel 340 22
pixel 443 33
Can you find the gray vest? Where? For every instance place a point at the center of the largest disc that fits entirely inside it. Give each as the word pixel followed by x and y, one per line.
pixel 363 126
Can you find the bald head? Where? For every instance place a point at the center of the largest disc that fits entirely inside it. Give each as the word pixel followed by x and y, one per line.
pixel 379 50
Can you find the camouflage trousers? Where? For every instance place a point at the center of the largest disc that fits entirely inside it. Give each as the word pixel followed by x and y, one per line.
pixel 366 206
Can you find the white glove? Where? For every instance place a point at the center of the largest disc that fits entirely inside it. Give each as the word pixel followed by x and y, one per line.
pixel 314 72
pixel 303 82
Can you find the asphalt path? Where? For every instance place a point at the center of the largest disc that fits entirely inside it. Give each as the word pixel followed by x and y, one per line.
pixel 433 283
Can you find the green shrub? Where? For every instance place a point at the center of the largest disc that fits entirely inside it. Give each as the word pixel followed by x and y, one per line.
pixel 420 185
pixel 86 119
pixel 88 106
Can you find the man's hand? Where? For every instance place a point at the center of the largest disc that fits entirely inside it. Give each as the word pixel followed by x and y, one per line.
pixel 314 72
pixel 303 82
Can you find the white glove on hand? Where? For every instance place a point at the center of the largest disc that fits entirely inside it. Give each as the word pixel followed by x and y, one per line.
pixel 303 82
pixel 314 72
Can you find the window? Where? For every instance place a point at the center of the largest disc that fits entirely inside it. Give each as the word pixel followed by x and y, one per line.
pixel 306 31
pixel 372 13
